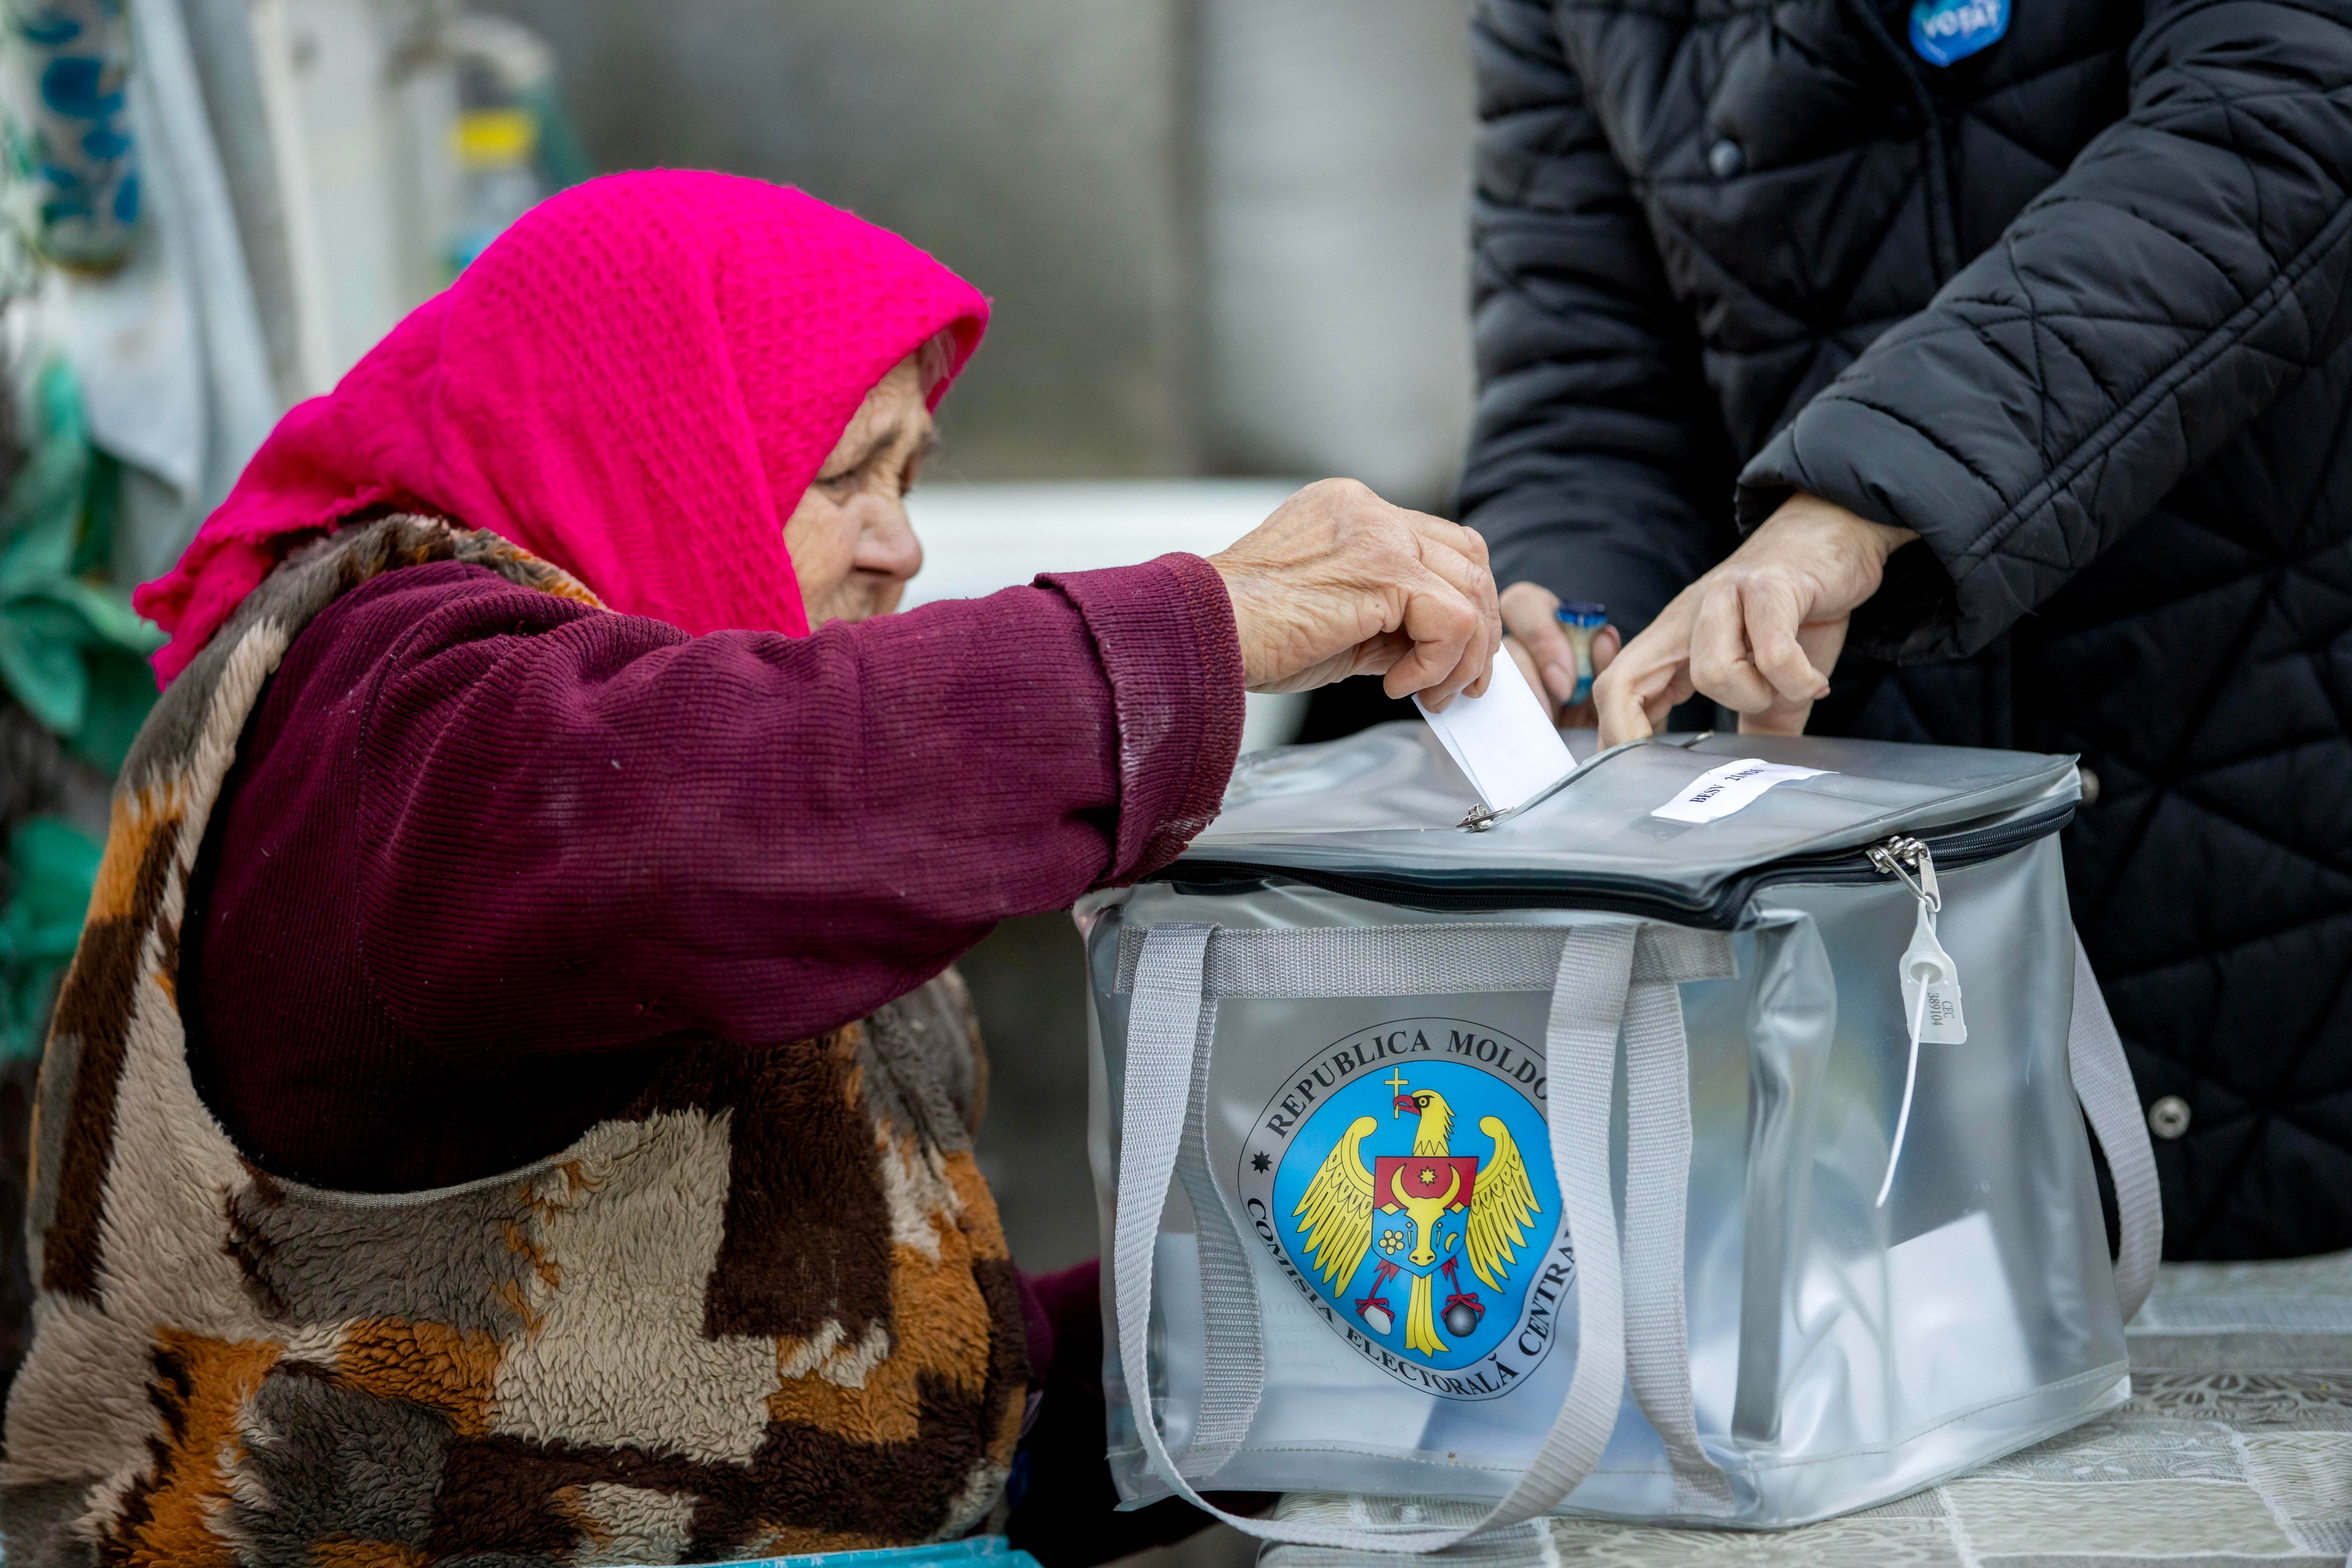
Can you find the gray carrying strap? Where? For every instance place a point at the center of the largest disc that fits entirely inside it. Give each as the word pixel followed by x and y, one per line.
pixel 2103 1081
pixel 1657 1197
pixel 1231 1331
pixel 1367 961
pixel 1176 970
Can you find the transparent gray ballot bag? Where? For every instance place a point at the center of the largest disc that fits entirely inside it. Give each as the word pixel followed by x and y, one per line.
pixel 1702 1142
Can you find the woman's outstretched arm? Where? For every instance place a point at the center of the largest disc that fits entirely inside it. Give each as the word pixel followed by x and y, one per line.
pixel 586 830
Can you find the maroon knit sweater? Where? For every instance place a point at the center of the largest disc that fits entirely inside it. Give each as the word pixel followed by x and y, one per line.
pixel 486 853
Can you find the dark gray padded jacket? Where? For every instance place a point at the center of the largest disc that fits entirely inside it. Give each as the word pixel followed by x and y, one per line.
pixel 2074 309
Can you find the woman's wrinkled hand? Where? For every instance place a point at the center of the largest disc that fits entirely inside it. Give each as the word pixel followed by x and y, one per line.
pixel 1337 582
pixel 1533 637
pixel 1759 633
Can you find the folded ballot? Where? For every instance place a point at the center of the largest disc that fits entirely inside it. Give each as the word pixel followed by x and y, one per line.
pixel 1503 741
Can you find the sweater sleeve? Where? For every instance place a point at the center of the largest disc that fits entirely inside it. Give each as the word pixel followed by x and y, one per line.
pixel 583 830
pixel 2189 268
pixel 1597 466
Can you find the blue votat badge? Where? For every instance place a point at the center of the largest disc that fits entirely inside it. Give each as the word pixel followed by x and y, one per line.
pixel 1943 31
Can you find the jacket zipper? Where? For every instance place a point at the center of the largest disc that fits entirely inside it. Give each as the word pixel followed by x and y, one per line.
pixel 1943 218
pixel 1623 897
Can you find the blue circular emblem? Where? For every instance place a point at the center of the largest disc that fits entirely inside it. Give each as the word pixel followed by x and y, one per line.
pixel 1401 1179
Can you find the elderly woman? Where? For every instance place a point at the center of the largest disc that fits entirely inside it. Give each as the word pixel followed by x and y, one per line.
pixel 510 1102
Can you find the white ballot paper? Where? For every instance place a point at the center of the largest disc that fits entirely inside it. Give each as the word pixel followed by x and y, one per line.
pixel 1503 740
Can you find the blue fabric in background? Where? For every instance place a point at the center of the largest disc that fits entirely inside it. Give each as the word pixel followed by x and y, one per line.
pixel 992 1550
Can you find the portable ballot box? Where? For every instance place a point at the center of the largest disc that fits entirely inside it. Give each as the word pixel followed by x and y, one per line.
pixel 1704 1142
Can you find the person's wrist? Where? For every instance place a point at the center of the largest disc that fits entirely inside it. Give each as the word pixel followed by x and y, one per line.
pixel 1803 512
pixel 1244 588
pixel 1884 538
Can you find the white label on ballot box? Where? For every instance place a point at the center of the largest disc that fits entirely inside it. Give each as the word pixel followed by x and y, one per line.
pixel 1503 740
pixel 1734 787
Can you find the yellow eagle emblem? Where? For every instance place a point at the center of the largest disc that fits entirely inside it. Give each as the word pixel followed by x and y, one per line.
pixel 1432 1208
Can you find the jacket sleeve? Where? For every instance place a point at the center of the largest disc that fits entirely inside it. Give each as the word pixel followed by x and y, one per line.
pixel 2159 296
pixel 585 831
pixel 1596 464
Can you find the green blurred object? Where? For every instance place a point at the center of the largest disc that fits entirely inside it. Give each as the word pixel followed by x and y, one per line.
pixel 73 655
pixel 563 160
pixel 52 866
pixel 72 651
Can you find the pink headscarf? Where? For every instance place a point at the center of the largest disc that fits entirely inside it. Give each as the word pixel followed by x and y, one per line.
pixel 636 383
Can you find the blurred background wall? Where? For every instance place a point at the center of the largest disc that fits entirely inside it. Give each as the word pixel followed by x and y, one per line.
pixel 1223 236
pixel 1042 148
pixel 1333 139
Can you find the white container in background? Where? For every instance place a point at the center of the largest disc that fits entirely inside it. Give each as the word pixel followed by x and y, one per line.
pixel 977 538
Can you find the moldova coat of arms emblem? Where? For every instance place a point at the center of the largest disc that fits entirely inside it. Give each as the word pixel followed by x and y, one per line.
pixel 1402 1180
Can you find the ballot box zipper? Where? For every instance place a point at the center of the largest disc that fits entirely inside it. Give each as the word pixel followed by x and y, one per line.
pixel 1720 910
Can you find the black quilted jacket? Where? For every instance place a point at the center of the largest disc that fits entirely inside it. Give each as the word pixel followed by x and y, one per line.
pixel 2074 309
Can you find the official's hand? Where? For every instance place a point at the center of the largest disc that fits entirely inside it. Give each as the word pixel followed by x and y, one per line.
pixel 1534 637
pixel 1759 633
pixel 1337 582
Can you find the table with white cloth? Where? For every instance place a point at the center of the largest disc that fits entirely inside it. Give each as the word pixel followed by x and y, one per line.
pixel 2236 1449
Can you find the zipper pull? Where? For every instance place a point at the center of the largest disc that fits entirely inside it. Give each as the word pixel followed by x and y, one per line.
pixel 1908 862
pixel 1931 980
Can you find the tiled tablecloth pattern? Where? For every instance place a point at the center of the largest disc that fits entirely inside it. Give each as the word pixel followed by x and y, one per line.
pixel 2236 1449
